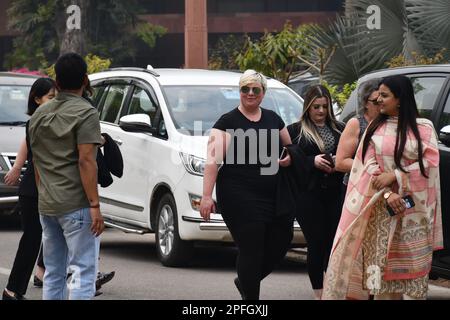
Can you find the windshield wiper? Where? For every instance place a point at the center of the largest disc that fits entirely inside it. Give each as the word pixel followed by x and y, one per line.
pixel 13 123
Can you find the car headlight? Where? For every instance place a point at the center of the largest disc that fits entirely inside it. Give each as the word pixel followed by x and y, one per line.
pixel 192 164
pixel 196 200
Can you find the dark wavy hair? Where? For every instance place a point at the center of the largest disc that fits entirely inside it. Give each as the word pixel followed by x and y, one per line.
pixel 402 89
pixel 40 88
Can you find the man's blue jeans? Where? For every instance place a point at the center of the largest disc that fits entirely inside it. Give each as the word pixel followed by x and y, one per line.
pixel 69 247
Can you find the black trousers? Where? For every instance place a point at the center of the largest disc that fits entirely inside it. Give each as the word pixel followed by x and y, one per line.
pixel 28 246
pixel 261 246
pixel 318 215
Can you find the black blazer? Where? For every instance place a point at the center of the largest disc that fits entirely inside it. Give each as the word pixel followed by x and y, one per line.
pixel 111 162
pixel 313 178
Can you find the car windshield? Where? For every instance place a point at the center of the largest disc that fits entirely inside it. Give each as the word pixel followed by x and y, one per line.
pixel 202 106
pixel 13 105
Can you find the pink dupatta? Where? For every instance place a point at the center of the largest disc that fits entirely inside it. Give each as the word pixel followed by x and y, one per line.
pixel 409 253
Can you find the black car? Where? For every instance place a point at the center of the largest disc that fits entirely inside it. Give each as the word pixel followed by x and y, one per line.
pixel 432 91
pixel 14 90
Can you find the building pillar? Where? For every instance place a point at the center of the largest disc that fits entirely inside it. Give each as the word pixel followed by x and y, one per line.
pixel 196 35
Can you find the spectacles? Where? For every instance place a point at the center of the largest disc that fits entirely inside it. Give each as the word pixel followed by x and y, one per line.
pixel 247 89
pixel 374 101
pixel 318 106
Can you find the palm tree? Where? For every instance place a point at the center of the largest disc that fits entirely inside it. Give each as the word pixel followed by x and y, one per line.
pixel 408 27
pixel 432 21
pixel 396 35
pixel 348 61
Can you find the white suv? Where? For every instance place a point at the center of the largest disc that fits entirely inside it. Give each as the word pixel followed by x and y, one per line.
pixel 161 118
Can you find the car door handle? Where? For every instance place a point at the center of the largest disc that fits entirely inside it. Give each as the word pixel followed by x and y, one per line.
pixel 118 141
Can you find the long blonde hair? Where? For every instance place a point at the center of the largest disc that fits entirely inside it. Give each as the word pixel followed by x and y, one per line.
pixel 308 129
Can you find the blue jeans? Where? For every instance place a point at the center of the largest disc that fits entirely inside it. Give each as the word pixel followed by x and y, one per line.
pixel 69 247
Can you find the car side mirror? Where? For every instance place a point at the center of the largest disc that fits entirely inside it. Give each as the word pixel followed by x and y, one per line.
pixel 137 123
pixel 444 135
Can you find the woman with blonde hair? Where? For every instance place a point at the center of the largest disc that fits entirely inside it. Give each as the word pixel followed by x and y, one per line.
pixel 317 136
pixel 246 192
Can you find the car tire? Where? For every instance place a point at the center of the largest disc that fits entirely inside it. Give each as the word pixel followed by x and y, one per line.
pixel 172 250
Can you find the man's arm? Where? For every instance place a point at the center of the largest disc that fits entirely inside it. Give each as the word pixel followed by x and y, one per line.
pixel 88 171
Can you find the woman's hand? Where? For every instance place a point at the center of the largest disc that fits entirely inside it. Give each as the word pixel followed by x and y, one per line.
pixel 286 161
pixel 322 164
pixel 385 179
pixel 206 207
pixel 396 203
pixel 12 177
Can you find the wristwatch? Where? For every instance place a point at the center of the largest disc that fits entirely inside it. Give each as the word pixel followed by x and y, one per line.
pixel 387 195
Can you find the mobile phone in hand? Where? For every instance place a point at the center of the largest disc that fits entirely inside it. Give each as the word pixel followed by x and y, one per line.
pixel 409 202
pixel 283 153
pixel 329 158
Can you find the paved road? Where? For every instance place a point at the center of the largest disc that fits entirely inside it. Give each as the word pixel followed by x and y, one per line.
pixel 139 275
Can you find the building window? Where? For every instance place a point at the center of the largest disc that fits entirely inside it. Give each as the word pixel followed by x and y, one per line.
pixel 248 6
pixel 162 6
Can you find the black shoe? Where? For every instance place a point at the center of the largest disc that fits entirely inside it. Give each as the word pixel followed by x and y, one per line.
pixel 238 286
pixel 103 278
pixel 7 296
pixel 37 282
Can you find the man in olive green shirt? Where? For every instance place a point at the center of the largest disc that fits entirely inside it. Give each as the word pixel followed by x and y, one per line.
pixel 64 136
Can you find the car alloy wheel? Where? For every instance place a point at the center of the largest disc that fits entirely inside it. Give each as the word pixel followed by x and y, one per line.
pixel 166 230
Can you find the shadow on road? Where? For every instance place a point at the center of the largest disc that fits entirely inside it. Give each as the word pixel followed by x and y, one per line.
pixel 143 249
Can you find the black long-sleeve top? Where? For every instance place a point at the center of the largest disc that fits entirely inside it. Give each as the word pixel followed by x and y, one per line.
pixel 313 178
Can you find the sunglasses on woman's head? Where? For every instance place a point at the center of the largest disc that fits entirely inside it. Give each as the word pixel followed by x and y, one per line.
pixel 247 89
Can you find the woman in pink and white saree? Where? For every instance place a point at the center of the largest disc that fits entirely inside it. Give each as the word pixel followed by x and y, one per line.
pixel 374 252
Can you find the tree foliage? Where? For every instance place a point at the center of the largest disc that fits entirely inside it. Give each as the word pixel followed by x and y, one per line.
pixel 110 30
pixel 224 54
pixel 149 33
pixel 340 94
pixel 417 59
pixel 411 32
pixel 285 53
pixel 94 63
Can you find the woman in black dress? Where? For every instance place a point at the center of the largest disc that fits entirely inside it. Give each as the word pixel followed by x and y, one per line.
pixel 42 90
pixel 319 207
pixel 246 185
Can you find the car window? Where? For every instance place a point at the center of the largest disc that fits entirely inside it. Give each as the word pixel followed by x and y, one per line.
pixel 13 103
pixel 97 94
pixel 200 107
pixel 142 103
pixel 113 103
pixel 426 91
pixel 284 103
pixel 444 120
